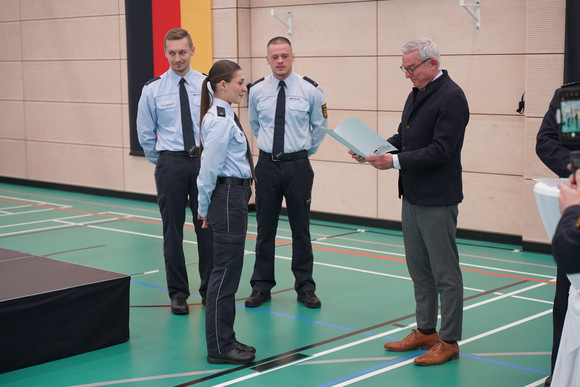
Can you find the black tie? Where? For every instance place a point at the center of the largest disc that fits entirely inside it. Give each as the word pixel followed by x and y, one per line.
pixel 186 121
pixel 248 150
pixel 278 143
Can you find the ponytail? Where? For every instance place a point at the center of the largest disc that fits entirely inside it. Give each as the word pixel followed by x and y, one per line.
pixel 222 70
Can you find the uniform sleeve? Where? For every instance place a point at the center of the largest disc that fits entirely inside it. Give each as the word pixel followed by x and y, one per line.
pixel 548 146
pixel 566 241
pixel 216 136
pixel 318 119
pixel 253 112
pixel 146 124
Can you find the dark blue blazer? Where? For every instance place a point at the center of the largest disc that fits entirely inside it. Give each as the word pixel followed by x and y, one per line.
pixel 429 139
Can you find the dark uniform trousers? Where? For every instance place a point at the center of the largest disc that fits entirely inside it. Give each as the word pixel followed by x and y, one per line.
pixel 175 177
pixel 291 179
pixel 228 215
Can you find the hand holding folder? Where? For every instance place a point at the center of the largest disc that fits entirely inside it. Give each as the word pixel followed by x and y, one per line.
pixel 359 138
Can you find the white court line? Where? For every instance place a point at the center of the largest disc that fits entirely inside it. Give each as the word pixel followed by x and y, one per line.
pixel 380 335
pixel 507 270
pixel 33 230
pixel 27 212
pixel 147 378
pixel 361 359
pixel 43 221
pixel 533 299
pixel 507 260
pixel 132 216
pixel 347 248
pixel 474 338
pixel 37 202
pixel 134 233
pixel 351 269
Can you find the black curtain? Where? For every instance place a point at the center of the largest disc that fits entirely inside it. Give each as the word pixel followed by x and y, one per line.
pixel 572 42
pixel 139 59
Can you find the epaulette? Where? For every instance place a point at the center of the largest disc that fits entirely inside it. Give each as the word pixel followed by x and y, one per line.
pixel 152 80
pixel 221 112
pixel 570 84
pixel 258 81
pixel 310 81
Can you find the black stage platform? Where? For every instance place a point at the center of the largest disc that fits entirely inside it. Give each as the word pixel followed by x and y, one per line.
pixel 51 309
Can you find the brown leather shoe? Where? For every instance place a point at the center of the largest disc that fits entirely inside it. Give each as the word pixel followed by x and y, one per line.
pixel 415 340
pixel 440 353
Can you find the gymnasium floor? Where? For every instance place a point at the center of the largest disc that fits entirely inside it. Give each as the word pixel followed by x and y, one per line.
pixel 362 281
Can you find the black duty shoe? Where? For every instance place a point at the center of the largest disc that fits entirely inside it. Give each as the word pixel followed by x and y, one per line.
pixel 179 306
pixel 244 347
pixel 256 298
pixel 235 356
pixel 309 299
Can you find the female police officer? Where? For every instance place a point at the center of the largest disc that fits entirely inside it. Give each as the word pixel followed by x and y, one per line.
pixel 224 185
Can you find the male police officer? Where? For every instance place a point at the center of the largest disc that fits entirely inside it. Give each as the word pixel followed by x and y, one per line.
pixel 287 113
pixel 170 140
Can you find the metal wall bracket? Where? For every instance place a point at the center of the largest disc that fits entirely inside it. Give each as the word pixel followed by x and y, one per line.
pixel 474 10
pixel 279 16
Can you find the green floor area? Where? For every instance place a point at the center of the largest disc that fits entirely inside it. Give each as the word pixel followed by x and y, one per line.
pixel 361 278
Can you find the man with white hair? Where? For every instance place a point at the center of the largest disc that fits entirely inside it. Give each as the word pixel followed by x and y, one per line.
pixel 429 140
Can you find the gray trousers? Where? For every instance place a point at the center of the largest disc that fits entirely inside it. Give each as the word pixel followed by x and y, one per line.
pixel 433 263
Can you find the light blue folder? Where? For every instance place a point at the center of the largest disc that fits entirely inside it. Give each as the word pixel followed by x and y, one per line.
pixel 359 138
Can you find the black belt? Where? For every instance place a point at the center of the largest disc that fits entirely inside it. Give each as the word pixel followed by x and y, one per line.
pixel 195 153
pixel 285 156
pixel 234 181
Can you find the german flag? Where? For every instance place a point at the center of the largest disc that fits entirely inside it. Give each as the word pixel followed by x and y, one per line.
pixel 147 22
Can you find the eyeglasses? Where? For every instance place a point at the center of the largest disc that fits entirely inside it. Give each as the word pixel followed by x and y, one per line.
pixel 410 69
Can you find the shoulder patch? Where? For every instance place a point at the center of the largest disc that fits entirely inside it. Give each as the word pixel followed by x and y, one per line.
pixel 310 81
pixel 258 81
pixel 152 80
pixel 221 112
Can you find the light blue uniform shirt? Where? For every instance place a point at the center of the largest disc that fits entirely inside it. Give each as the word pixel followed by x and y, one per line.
pixel 159 113
pixel 305 113
pixel 224 152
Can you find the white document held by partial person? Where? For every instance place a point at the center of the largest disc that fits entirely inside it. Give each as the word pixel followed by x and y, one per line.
pixel 359 138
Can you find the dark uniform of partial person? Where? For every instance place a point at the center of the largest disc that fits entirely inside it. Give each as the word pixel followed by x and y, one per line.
pixel 224 183
pixel 566 252
pixel 159 128
pixel 556 156
pixel 285 173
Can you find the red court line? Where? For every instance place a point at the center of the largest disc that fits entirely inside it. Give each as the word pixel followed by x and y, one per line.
pixel 282 242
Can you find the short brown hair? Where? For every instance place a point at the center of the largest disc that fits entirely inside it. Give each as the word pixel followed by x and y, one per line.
pixel 279 40
pixel 177 34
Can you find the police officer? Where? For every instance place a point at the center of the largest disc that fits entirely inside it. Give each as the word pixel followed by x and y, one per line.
pixel 161 134
pixel 286 113
pixel 224 183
